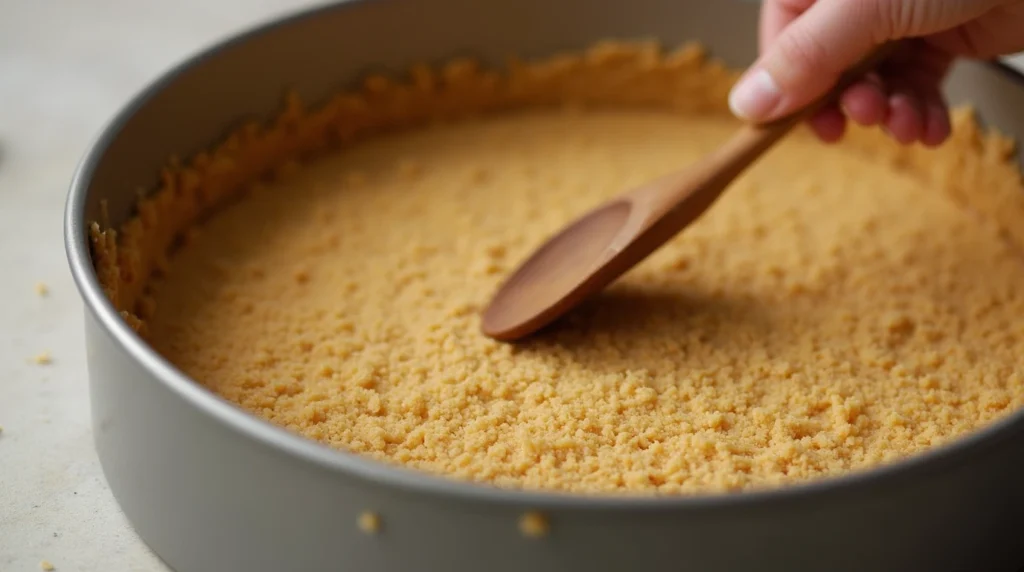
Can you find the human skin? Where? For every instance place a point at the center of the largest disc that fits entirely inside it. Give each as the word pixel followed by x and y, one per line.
pixel 806 44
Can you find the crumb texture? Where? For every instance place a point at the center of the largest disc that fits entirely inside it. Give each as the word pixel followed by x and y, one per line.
pixel 839 308
pixel 533 525
pixel 369 522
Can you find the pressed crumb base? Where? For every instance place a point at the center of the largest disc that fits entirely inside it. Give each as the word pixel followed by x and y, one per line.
pixel 837 309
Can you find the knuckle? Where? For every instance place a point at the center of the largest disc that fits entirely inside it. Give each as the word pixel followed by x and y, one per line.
pixel 805 51
pixel 900 18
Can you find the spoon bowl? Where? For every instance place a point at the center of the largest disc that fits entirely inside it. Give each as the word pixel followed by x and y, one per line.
pixel 559 274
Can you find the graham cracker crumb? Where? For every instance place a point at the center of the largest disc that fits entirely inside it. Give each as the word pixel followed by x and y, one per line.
pixel 410 168
pixel 804 328
pixel 533 525
pixel 46 565
pixel 42 358
pixel 355 178
pixel 287 169
pixel 42 290
pixel 369 522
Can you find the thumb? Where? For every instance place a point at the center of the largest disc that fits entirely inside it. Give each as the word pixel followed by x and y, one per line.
pixel 810 54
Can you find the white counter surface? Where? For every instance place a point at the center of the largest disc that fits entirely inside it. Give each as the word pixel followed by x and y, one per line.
pixel 65 68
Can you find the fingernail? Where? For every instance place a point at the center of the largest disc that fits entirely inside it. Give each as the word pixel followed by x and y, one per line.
pixel 755 96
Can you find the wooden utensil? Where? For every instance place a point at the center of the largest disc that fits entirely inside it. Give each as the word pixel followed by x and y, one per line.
pixel 596 249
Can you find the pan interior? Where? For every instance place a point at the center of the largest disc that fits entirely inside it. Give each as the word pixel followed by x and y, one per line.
pixel 339 296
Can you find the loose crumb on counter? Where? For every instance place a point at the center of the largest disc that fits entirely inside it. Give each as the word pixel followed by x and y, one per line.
pixel 369 522
pixel 42 290
pixel 46 565
pixel 42 358
pixel 533 525
pixel 811 324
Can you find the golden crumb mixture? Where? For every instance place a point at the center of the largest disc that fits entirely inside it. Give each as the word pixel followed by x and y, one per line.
pixel 840 307
pixel 533 525
pixel 369 522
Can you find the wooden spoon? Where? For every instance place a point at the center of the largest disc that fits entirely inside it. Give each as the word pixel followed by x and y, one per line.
pixel 603 244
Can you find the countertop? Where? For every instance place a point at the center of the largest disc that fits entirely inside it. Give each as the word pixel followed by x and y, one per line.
pixel 65 68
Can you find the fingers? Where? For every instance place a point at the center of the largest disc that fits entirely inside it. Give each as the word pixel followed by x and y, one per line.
pixel 936 121
pixel 776 15
pixel 917 111
pixel 916 119
pixel 865 102
pixel 994 30
pixel 807 44
pixel 829 124
pixel 805 58
pixel 909 113
pixel 984 38
pixel 906 117
pixel 918 116
pixel 903 96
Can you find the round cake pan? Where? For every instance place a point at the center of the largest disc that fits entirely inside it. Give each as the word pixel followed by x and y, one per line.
pixel 211 488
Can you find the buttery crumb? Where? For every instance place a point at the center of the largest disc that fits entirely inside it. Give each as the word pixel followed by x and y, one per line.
pixel 807 326
pixel 287 169
pixel 533 525
pixel 42 358
pixel 410 168
pixel 355 178
pixel 369 522
pixel 42 290
pixel 478 175
pixel 46 565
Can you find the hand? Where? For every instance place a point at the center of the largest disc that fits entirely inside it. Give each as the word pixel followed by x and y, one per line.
pixel 806 45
